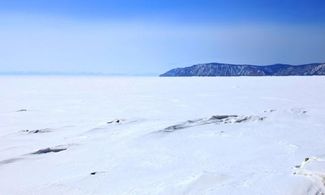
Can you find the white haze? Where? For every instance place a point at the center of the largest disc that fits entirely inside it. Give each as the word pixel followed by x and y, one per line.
pixel 51 44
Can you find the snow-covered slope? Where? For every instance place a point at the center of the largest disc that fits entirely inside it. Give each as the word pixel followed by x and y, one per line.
pixel 98 135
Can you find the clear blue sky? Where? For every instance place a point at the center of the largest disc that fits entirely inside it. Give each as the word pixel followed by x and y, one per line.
pixel 148 36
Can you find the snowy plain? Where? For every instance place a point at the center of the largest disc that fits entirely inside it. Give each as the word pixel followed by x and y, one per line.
pixel 150 135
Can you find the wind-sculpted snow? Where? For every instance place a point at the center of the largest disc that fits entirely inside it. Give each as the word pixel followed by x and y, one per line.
pixel 162 136
pixel 216 119
pixel 38 152
pixel 8 161
pixel 313 168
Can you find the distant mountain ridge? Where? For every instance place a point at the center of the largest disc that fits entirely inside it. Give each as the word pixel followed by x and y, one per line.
pixel 222 69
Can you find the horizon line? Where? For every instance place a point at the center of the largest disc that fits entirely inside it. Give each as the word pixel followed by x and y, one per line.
pixel 55 73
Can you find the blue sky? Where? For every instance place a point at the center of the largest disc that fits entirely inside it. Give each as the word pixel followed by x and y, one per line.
pixel 150 37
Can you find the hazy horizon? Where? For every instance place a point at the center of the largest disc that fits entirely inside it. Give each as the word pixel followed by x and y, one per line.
pixel 58 73
pixel 141 37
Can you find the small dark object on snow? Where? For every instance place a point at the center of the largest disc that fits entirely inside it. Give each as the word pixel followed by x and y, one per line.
pixel 116 121
pixel 93 173
pixel 306 159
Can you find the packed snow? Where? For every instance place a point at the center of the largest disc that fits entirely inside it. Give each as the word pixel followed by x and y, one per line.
pixel 146 135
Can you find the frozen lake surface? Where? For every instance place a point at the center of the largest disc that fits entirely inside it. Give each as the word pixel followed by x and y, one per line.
pixel 133 135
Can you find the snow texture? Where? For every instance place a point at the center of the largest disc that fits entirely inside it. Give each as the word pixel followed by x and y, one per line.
pixel 115 135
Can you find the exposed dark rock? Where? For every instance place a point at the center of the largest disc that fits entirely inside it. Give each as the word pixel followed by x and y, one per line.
pixel 48 150
pixel 221 69
pixel 22 110
pixel 247 118
pixel 220 117
pixel 242 120
pixel 216 119
pixel 174 127
pixel 271 110
pixel 93 173
pixel 36 131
